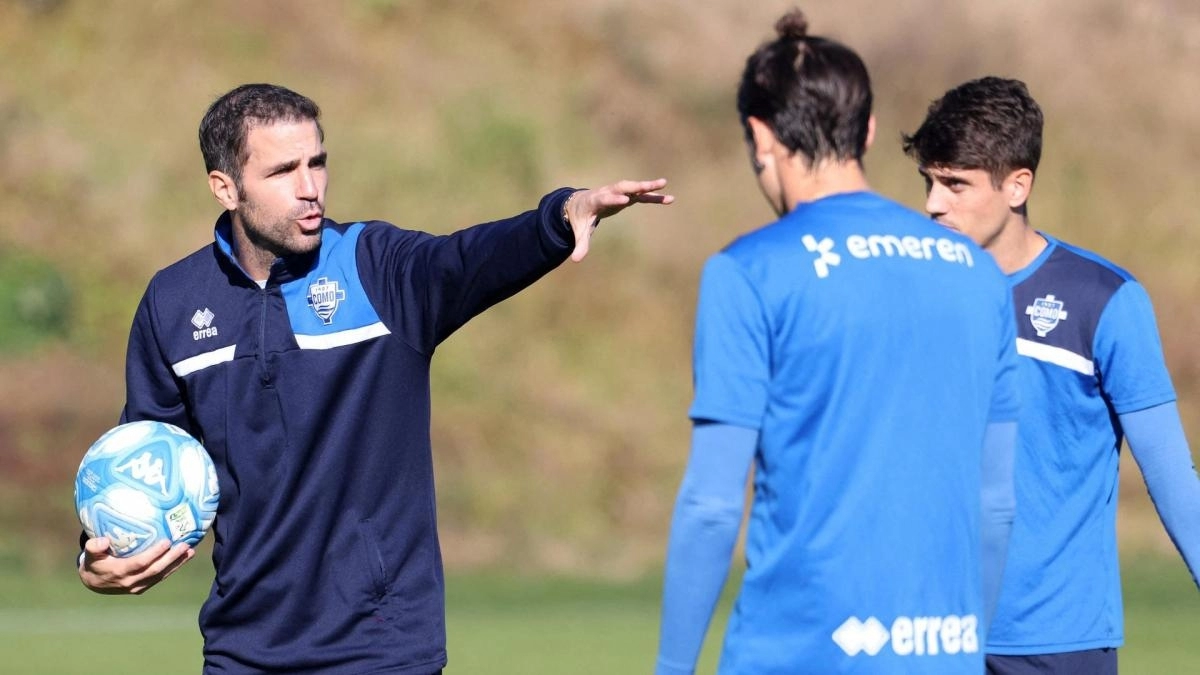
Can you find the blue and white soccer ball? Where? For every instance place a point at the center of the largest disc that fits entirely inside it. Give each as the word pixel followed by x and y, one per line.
pixel 144 482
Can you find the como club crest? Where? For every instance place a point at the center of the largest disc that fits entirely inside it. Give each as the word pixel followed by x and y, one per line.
pixel 1045 313
pixel 324 296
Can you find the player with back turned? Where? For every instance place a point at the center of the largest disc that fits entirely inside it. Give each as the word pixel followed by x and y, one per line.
pixel 311 394
pixel 1091 372
pixel 861 359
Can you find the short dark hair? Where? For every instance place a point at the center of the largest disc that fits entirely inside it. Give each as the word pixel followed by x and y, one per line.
pixel 813 92
pixel 225 126
pixel 991 123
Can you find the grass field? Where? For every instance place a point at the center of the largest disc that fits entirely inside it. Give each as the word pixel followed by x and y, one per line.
pixel 497 625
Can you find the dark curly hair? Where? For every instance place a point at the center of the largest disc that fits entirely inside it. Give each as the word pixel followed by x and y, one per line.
pixel 990 123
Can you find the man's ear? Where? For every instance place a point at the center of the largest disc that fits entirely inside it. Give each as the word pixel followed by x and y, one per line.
pixel 1017 186
pixel 762 145
pixel 870 133
pixel 224 189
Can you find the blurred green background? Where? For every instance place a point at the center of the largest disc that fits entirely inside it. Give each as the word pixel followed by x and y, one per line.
pixel 560 427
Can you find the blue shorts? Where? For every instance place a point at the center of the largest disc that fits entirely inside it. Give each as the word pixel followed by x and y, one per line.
pixel 1087 662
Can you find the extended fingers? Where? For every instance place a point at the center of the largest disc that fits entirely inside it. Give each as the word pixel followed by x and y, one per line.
pixel 652 198
pixel 160 569
pixel 638 187
pixel 626 192
pixel 166 566
pixel 135 574
pixel 587 207
pixel 142 562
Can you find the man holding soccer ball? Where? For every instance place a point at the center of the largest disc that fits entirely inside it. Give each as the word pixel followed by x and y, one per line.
pixel 297 349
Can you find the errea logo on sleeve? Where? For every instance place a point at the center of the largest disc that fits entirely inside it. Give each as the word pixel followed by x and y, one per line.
pixel 866 247
pixel 909 636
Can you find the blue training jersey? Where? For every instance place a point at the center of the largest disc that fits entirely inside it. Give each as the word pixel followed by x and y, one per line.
pixel 870 347
pixel 1089 351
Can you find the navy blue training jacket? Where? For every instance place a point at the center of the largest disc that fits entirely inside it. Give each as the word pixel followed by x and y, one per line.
pixel 312 396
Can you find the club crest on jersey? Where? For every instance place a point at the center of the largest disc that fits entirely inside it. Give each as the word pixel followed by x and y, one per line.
pixel 324 296
pixel 1045 313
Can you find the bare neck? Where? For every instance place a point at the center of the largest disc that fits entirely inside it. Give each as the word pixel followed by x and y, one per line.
pixel 808 184
pixel 1016 246
pixel 254 260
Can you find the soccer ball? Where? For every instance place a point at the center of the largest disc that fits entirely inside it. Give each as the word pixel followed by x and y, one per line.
pixel 144 482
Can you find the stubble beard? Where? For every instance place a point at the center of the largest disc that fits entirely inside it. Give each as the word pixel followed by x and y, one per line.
pixel 279 237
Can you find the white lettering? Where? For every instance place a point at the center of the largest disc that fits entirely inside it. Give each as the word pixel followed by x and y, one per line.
pixel 945 249
pixel 962 254
pixel 951 634
pixel 970 639
pixel 931 635
pixel 902 636
pixel 920 624
pixel 915 635
pixel 857 245
pixel 204 333
pixel 888 243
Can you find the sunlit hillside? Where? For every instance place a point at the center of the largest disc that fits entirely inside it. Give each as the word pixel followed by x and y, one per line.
pixel 560 416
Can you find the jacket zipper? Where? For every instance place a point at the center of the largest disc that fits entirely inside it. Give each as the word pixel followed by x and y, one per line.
pixel 264 372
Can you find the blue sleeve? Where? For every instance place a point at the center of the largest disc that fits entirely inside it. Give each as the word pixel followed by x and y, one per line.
pixel 1157 441
pixel 704 529
pixel 1128 352
pixel 732 356
pixel 998 507
pixel 425 287
pixel 1005 404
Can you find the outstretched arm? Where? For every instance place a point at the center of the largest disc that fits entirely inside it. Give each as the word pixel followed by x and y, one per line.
pixel 1158 444
pixel 704 529
pixel 585 208
pixel 428 286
